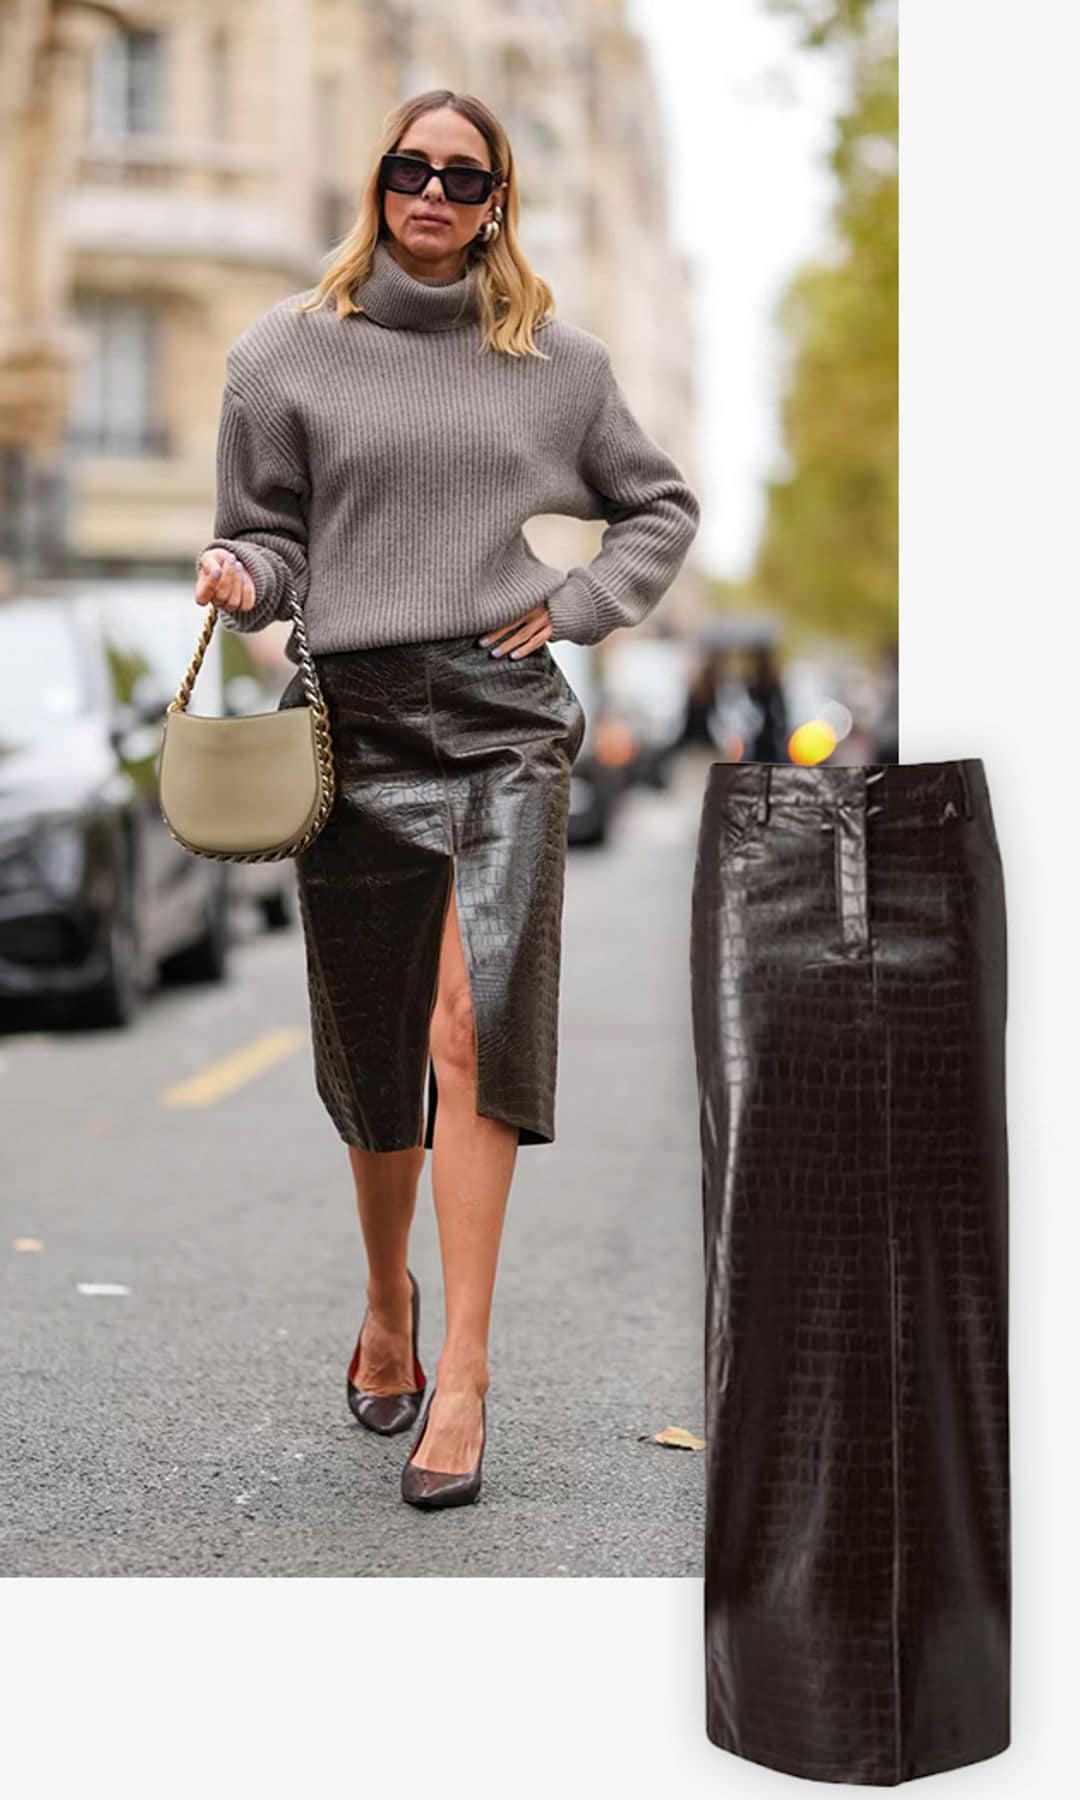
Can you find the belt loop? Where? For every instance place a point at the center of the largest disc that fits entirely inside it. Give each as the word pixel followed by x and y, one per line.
pixel 874 776
pixel 763 798
pixel 965 790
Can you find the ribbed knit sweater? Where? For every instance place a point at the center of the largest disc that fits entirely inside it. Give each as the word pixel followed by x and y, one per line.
pixel 390 459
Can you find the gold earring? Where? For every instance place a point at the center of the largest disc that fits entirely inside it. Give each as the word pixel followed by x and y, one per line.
pixel 491 229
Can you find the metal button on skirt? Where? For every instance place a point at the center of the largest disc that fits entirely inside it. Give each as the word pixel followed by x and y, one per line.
pixel 450 763
pixel 848 977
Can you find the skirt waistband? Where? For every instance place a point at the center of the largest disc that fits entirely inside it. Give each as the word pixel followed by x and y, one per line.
pixel 922 791
pixel 415 648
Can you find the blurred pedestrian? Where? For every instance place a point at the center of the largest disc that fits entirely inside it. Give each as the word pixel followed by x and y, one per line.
pixel 766 690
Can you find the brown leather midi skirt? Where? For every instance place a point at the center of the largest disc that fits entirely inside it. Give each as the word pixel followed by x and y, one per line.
pixel 848 977
pixel 449 763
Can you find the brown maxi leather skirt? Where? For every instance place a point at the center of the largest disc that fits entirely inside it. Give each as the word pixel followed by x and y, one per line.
pixel 449 761
pixel 848 975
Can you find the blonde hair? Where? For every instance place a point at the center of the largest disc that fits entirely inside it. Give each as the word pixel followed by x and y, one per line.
pixel 512 298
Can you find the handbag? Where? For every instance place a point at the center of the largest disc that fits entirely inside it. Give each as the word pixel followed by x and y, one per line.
pixel 254 788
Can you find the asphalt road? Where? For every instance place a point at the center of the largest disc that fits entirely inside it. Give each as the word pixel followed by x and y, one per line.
pixel 195 1423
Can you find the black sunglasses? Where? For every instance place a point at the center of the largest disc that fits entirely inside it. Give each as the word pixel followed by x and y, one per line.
pixel 461 183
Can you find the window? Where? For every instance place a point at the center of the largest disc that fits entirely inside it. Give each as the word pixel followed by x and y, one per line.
pixel 117 384
pixel 129 84
pixel 219 84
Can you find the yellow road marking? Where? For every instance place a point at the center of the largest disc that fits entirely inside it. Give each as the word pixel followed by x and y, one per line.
pixel 221 1077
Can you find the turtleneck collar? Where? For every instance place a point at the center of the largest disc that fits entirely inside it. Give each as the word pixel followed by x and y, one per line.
pixel 393 297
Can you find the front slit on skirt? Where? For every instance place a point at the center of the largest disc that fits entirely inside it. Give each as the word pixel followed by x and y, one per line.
pixel 483 1102
pixel 452 767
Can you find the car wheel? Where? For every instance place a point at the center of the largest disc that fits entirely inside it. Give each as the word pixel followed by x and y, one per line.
pixel 207 958
pixel 277 910
pixel 116 999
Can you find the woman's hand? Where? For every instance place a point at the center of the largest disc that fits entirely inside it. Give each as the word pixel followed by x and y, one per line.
pixel 223 579
pixel 534 629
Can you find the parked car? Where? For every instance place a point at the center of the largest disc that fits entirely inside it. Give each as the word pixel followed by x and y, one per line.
pixel 605 764
pixel 97 899
pixel 646 679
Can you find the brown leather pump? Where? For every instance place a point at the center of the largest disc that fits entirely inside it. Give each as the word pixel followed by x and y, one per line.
pixel 388 1413
pixel 436 1487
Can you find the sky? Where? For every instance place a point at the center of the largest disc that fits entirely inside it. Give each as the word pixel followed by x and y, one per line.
pixel 752 115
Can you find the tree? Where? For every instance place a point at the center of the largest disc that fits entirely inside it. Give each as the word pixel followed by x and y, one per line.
pixel 828 555
pixel 825 22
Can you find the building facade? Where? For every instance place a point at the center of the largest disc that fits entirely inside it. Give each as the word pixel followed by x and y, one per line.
pixel 211 157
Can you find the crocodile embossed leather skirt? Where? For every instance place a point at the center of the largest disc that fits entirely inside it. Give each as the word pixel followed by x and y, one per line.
pixel 848 985
pixel 449 763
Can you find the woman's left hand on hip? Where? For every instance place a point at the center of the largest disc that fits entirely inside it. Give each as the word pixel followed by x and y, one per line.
pixel 529 629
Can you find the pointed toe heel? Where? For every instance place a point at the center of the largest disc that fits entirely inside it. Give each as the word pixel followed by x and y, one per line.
pixel 388 1414
pixel 431 1488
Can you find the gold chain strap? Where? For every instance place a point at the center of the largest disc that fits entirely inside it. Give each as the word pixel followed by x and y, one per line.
pixel 314 692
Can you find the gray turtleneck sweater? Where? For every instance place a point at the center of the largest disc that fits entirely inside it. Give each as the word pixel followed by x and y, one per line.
pixel 390 460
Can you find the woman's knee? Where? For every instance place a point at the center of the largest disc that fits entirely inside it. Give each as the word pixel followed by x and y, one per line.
pixel 453 1035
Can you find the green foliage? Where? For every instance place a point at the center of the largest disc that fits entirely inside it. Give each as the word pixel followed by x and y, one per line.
pixel 823 22
pixel 126 667
pixel 829 550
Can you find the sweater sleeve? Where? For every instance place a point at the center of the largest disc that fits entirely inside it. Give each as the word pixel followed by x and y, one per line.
pixel 652 519
pixel 260 512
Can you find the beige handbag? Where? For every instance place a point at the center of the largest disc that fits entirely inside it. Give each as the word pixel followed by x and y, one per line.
pixel 254 788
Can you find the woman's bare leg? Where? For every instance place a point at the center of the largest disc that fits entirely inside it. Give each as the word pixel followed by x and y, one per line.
pixel 386 1184
pixel 472 1166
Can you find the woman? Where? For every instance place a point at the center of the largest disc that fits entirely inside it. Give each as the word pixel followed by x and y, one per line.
pixel 383 441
